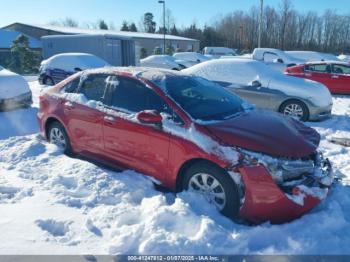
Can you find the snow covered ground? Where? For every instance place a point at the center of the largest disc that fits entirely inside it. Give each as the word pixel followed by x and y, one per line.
pixel 53 204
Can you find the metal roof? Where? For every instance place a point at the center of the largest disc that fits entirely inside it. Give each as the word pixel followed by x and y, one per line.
pixel 76 30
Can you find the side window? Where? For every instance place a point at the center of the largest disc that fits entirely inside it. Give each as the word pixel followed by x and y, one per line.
pixel 71 87
pixel 318 68
pixel 133 96
pixel 341 69
pixel 94 87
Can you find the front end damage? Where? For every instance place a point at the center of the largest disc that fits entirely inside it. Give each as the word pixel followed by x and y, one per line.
pixel 279 189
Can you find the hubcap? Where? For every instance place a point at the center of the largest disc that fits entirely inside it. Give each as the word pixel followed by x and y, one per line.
pixel 210 188
pixel 294 110
pixel 57 138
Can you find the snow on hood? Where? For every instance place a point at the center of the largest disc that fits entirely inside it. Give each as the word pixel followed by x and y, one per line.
pixel 267 132
pixel 243 71
pixel 12 85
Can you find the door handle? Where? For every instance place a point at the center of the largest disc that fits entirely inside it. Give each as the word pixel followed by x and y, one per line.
pixel 69 105
pixel 109 119
pixel 335 77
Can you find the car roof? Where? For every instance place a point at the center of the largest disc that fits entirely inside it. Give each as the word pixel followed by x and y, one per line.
pixel 327 62
pixel 145 72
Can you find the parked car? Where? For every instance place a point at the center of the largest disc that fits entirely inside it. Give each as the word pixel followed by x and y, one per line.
pixel 272 55
pixel 163 61
pixel 310 56
pixel 14 91
pixel 218 51
pixel 269 89
pixel 59 67
pixel 190 58
pixel 189 133
pixel 333 74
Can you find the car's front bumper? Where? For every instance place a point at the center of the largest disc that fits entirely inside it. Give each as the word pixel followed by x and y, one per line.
pixel 317 113
pixel 264 200
pixel 24 100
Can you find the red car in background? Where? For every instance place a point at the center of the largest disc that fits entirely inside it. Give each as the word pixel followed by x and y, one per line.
pixel 334 75
pixel 190 134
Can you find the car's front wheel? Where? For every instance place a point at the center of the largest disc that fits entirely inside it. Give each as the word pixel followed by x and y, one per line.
pixel 217 187
pixel 295 109
pixel 57 135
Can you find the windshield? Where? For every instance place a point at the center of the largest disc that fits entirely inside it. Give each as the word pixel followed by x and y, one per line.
pixel 203 99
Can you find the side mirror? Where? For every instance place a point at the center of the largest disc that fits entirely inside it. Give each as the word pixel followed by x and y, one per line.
pixel 280 60
pixel 255 83
pixel 150 117
pixel 77 69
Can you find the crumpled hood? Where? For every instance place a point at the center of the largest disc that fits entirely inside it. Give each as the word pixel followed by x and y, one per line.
pixel 266 132
pixel 12 85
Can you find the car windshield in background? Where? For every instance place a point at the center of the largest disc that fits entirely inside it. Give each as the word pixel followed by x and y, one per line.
pixel 202 99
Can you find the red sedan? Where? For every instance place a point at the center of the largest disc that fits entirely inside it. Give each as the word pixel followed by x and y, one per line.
pixel 334 75
pixel 189 133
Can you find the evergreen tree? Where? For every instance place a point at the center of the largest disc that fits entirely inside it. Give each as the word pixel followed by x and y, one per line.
pixel 125 26
pixel 148 23
pixel 22 58
pixel 174 31
pixel 102 25
pixel 132 27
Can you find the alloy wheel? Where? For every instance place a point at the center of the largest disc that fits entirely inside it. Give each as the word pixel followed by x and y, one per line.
pixel 57 138
pixel 210 188
pixel 294 110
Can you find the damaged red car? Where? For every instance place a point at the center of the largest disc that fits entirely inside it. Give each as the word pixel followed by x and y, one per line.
pixel 190 134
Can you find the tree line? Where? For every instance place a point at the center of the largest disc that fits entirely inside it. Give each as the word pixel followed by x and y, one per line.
pixel 283 27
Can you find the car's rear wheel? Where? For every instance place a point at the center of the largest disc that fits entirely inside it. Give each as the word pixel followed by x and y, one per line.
pixel 295 109
pixel 49 81
pixel 57 135
pixel 215 185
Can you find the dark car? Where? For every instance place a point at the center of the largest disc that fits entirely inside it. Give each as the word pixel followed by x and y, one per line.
pixel 61 66
pixel 190 134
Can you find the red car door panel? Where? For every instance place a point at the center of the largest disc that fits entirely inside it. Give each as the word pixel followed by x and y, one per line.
pixel 134 145
pixel 129 142
pixel 85 127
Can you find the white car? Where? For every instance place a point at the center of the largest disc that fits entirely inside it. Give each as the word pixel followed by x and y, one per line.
pixel 311 56
pixel 269 89
pixel 163 61
pixel 59 67
pixel 14 91
pixel 191 58
pixel 218 51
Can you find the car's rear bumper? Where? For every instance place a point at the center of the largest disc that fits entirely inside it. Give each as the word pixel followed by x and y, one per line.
pixel 265 201
pixel 24 100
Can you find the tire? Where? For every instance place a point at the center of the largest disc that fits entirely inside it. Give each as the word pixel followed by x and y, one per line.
pixel 226 187
pixel 49 81
pixel 296 109
pixel 57 135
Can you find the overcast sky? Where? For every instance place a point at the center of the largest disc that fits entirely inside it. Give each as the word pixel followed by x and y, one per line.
pixel 184 11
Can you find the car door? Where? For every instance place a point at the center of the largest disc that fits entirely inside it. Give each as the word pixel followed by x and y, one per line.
pixel 135 145
pixel 340 79
pixel 82 109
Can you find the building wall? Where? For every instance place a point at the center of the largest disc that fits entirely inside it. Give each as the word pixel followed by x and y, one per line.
pixel 151 44
pixel 147 43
